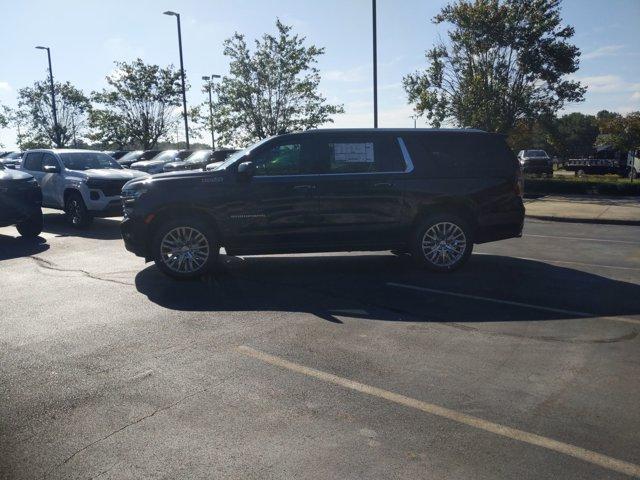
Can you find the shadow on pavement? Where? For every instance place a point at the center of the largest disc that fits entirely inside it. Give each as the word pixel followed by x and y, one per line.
pixel 358 286
pixel 16 247
pixel 100 229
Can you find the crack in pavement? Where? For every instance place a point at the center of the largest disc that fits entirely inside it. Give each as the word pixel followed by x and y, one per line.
pixel 49 265
pixel 141 419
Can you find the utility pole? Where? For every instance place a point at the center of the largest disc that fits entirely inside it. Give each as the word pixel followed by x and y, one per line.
pixel 209 80
pixel 184 91
pixel 56 128
pixel 375 66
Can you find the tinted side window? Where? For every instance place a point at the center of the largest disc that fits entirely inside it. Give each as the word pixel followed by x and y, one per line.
pixel 460 155
pixel 291 158
pixel 359 154
pixel 33 162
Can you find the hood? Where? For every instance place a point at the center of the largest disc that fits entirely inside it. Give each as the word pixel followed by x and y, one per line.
pixel 173 165
pixel 108 174
pixel 147 163
pixel 211 166
pixel 9 175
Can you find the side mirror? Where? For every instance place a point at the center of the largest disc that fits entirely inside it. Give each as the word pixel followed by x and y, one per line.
pixel 51 169
pixel 246 170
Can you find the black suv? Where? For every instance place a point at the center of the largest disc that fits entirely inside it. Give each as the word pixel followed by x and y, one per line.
pixel 430 193
pixel 20 202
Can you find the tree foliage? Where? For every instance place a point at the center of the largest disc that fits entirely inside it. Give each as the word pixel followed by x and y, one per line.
pixel 139 106
pixel 5 114
pixel 621 132
pixel 34 105
pixel 269 91
pixel 574 135
pixel 506 60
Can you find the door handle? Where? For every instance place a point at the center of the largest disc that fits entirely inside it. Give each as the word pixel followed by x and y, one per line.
pixel 383 185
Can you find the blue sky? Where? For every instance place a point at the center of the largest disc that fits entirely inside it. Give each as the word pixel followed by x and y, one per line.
pixel 86 36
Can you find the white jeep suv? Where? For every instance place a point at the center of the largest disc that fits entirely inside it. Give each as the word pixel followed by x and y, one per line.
pixel 83 183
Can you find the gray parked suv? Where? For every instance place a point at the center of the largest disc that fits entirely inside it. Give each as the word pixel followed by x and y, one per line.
pixel 83 183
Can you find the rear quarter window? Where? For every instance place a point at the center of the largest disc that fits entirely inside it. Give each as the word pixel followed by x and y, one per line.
pixel 359 154
pixel 460 155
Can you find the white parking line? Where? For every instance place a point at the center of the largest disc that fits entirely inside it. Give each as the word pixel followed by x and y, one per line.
pixel 580 264
pixel 625 242
pixel 562 311
pixel 459 417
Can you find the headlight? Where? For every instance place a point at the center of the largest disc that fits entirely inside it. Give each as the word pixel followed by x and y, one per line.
pixel 130 195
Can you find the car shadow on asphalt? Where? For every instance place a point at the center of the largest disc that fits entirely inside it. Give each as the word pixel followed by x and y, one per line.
pixel 366 286
pixel 16 247
pixel 100 228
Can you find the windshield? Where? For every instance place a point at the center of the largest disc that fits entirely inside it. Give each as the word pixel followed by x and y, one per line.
pixel 131 156
pixel 241 153
pixel 14 155
pixel 198 156
pixel 87 160
pixel 166 156
pixel 535 153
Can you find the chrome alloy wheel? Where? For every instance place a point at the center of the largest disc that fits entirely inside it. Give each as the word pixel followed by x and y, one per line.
pixel 184 250
pixel 444 244
pixel 75 212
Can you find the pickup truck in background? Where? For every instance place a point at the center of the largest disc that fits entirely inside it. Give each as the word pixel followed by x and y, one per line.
pixel 83 183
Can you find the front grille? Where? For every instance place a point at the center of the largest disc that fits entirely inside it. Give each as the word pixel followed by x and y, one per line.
pixel 110 188
pixel 537 163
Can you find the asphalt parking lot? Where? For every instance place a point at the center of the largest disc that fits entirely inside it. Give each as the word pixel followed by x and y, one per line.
pixel 525 364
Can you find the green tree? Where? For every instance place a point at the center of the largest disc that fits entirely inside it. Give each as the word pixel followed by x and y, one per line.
pixel 527 135
pixel 34 104
pixel 5 114
pixel 269 91
pixel 621 132
pixel 574 135
pixel 506 60
pixel 139 106
pixel 108 130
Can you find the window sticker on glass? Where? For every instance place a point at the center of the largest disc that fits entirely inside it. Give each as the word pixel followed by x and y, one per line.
pixel 353 152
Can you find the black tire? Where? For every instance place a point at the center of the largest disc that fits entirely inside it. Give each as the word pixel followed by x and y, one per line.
pixel 32 226
pixel 457 244
pixel 170 264
pixel 76 211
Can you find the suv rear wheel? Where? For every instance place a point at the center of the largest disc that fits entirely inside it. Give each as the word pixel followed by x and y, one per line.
pixel 185 248
pixel 442 242
pixel 76 210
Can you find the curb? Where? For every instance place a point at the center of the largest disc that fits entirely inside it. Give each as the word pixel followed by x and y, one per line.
pixel 597 221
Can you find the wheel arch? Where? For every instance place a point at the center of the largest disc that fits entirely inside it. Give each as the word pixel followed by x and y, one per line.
pixel 176 211
pixel 464 208
pixel 68 191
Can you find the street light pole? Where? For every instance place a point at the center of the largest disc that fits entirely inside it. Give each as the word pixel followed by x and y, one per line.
pixel 209 80
pixel 375 66
pixel 415 117
pixel 56 130
pixel 184 91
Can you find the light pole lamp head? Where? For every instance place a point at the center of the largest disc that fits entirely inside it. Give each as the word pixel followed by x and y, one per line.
pixel 173 14
pixel 216 76
pixel 206 78
pixel 39 47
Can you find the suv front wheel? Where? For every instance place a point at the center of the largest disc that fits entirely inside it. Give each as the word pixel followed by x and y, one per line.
pixel 77 213
pixel 442 242
pixel 32 226
pixel 185 248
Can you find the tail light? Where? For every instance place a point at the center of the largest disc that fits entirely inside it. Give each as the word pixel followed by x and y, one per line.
pixel 519 183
